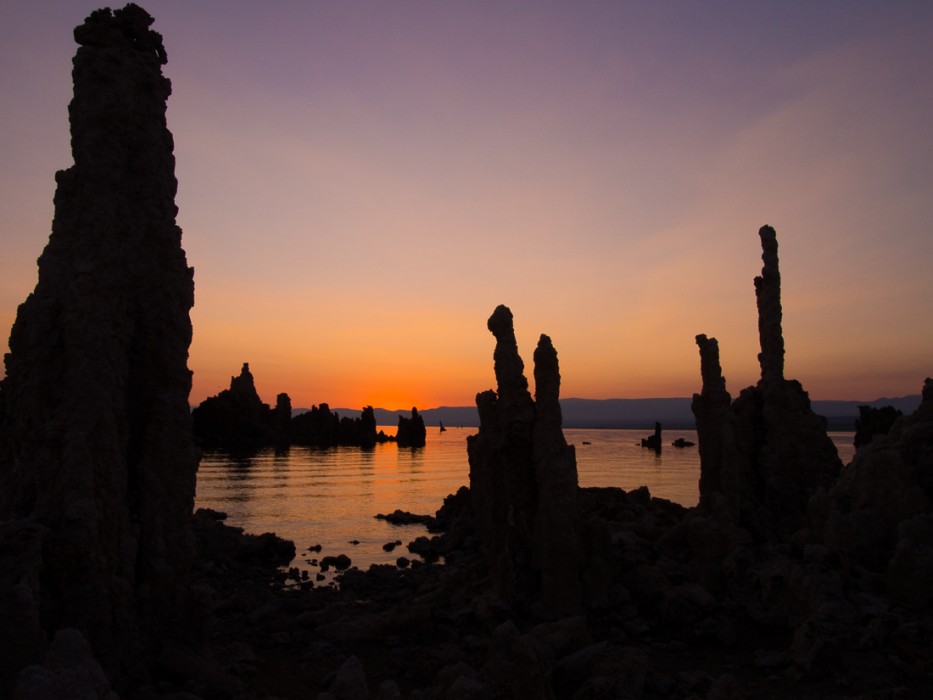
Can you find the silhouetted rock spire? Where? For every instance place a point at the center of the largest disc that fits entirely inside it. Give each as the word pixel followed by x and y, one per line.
pixel 243 387
pixel 282 420
pixel 96 454
pixel 766 454
pixel 523 480
pixel 555 531
pixel 720 476
pixel 768 295
pixel 512 389
pixel 714 384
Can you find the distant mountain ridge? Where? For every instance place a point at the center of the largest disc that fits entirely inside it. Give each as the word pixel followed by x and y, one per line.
pixel 630 413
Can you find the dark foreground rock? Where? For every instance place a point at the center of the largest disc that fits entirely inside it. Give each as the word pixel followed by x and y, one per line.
pixel 97 463
pixel 879 515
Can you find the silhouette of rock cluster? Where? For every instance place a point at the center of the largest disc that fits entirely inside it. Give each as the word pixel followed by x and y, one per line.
pixel 523 479
pixel 874 421
pixel 639 598
pixel 764 455
pixel 97 463
pixel 411 431
pixel 320 427
pixel 237 419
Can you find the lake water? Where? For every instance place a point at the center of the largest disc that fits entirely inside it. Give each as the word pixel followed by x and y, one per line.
pixel 330 496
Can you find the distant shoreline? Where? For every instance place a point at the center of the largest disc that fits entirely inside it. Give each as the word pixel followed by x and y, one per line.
pixel 630 414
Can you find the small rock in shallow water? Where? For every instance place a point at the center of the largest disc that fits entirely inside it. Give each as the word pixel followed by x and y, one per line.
pixel 340 562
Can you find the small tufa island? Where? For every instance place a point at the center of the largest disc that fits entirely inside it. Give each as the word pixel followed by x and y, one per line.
pixel 794 576
pixel 237 419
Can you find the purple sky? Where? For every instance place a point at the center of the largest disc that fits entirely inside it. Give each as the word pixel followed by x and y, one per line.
pixel 361 183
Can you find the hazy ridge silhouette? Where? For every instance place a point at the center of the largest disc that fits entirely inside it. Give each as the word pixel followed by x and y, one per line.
pixel 673 413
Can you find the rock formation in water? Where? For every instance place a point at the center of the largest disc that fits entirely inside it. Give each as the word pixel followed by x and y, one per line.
pixel 236 418
pixel 317 427
pixel 653 442
pixel 97 462
pixel 767 453
pixel 320 427
pixel 411 431
pixel 282 420
pixel 523 480
pixel 367 427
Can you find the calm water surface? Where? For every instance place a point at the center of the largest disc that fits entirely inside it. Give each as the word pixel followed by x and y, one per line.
pixel 330 497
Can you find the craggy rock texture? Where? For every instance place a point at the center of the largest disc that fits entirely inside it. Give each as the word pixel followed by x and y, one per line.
pixel 879 515
pixel 411 431
pixel 97 463
pixel 764 456
pixel 523 479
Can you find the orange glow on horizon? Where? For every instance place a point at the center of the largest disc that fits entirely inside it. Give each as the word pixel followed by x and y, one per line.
pixel 357 198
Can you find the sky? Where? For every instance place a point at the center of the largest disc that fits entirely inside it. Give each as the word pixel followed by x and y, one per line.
pixel 361 183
